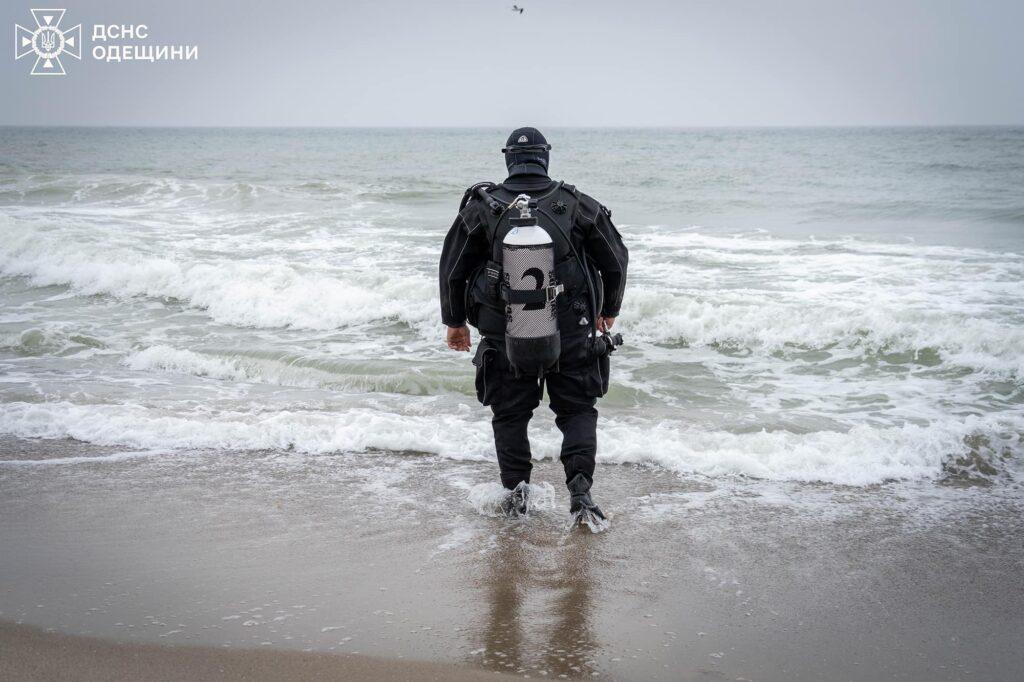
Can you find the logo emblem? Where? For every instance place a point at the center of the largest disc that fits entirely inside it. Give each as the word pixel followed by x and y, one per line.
pixel 47 42
pixel 538 275
pixel 522 138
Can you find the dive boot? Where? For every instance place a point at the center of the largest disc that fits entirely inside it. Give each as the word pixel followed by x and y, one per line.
pixel 582 508
pixel 517 503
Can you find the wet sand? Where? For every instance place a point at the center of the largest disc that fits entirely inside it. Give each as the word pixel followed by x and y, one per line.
pixel 385 555
pixel 29 654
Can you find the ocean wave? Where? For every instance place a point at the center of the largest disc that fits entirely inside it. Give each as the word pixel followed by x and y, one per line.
pixel 48 341
pixel 169 191
pixel 241 293
pixel 763 245
pixel 87 459
pixel 286 369
pixel 304 431
pixel 770 295
pixel 949 167
pixel 755 293
pixel 862 455
pixel 982 344
pixel 667 318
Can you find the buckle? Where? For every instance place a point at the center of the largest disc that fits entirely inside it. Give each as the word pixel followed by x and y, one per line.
pixel 552 292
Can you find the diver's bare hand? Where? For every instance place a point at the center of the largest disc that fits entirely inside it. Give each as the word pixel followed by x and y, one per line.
pixel 458 338
pixel 605 324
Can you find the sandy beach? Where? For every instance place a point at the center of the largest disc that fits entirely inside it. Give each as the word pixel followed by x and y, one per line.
pixel 272 559
pixel 28 653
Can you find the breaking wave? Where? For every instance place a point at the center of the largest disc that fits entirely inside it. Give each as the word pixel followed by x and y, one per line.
pixel 211 303
pixel 866 297
pixel 862 455
pixel 241 293
pixel 283 369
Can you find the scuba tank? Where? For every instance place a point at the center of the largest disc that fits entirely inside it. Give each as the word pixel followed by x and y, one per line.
pixel 514 296
pixel 530 293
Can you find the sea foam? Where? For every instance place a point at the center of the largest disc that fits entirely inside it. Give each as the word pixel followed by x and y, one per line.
pixel 242 293
pixel 862 455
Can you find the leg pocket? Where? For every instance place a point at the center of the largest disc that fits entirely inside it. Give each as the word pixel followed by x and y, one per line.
pixel 579 364
pixel 588 381
pixel 604 365
pixel 488 381
pixel 595 377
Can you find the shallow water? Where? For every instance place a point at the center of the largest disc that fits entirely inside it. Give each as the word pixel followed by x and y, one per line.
pixel 401 555
pixel 810 305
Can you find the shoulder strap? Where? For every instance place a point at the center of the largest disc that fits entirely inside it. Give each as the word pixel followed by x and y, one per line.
pixel 472 193
pixel 495 219
pixel 581 257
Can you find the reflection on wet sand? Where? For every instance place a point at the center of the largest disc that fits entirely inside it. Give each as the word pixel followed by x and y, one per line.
pixel 538 593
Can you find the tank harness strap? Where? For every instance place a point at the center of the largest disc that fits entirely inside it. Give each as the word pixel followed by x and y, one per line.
pixel 582 257
pixel 521 297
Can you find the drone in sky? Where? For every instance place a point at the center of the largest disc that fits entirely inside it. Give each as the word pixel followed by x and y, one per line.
pixel 517 8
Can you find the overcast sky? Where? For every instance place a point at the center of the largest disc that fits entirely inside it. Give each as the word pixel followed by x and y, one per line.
pixel 560 63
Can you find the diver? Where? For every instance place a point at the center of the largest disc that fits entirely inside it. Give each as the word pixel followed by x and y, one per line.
pixel 539 269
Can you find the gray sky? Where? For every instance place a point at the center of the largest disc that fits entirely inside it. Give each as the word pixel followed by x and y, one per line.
pixel 561 63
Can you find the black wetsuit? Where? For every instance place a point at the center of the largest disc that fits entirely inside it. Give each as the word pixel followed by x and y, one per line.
pixel 581 377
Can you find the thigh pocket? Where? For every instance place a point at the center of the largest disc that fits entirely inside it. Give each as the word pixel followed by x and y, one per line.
pixel 598 375
pixel 604 365
pixel 488 379
pixel 590 380
pixel 595 378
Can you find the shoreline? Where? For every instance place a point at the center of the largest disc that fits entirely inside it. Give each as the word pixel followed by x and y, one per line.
pixel 392 558
pixel 29 654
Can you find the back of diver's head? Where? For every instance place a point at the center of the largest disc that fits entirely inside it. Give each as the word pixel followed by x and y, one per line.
pixel 526 151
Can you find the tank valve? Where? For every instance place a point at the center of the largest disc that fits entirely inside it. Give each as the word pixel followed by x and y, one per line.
pixel 524 204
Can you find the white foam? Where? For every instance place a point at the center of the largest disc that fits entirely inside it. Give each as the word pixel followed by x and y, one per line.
pixel 298 371
pixel 860 456
pixel 306 431
pixel 748 292
pixel 863 455
pixel 113 457
pixel 692 296
pixel 456 538
pixel 768 294
pixel 769 326
pixel 237 292
pixel 487 498
pixel 166 358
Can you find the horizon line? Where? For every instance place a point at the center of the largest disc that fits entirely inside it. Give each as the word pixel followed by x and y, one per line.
pixel 822 126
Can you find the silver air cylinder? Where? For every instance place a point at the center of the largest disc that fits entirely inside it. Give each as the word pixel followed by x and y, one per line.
pixel 531 329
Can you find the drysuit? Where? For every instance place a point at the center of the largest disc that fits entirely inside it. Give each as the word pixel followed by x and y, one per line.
pixel 591 262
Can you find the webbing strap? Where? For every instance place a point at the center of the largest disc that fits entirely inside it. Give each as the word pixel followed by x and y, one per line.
pixel 527 296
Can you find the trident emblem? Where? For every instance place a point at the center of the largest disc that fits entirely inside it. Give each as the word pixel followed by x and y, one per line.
pixel 47 42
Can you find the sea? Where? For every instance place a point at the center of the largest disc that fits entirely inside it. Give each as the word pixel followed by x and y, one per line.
pixel 840 306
